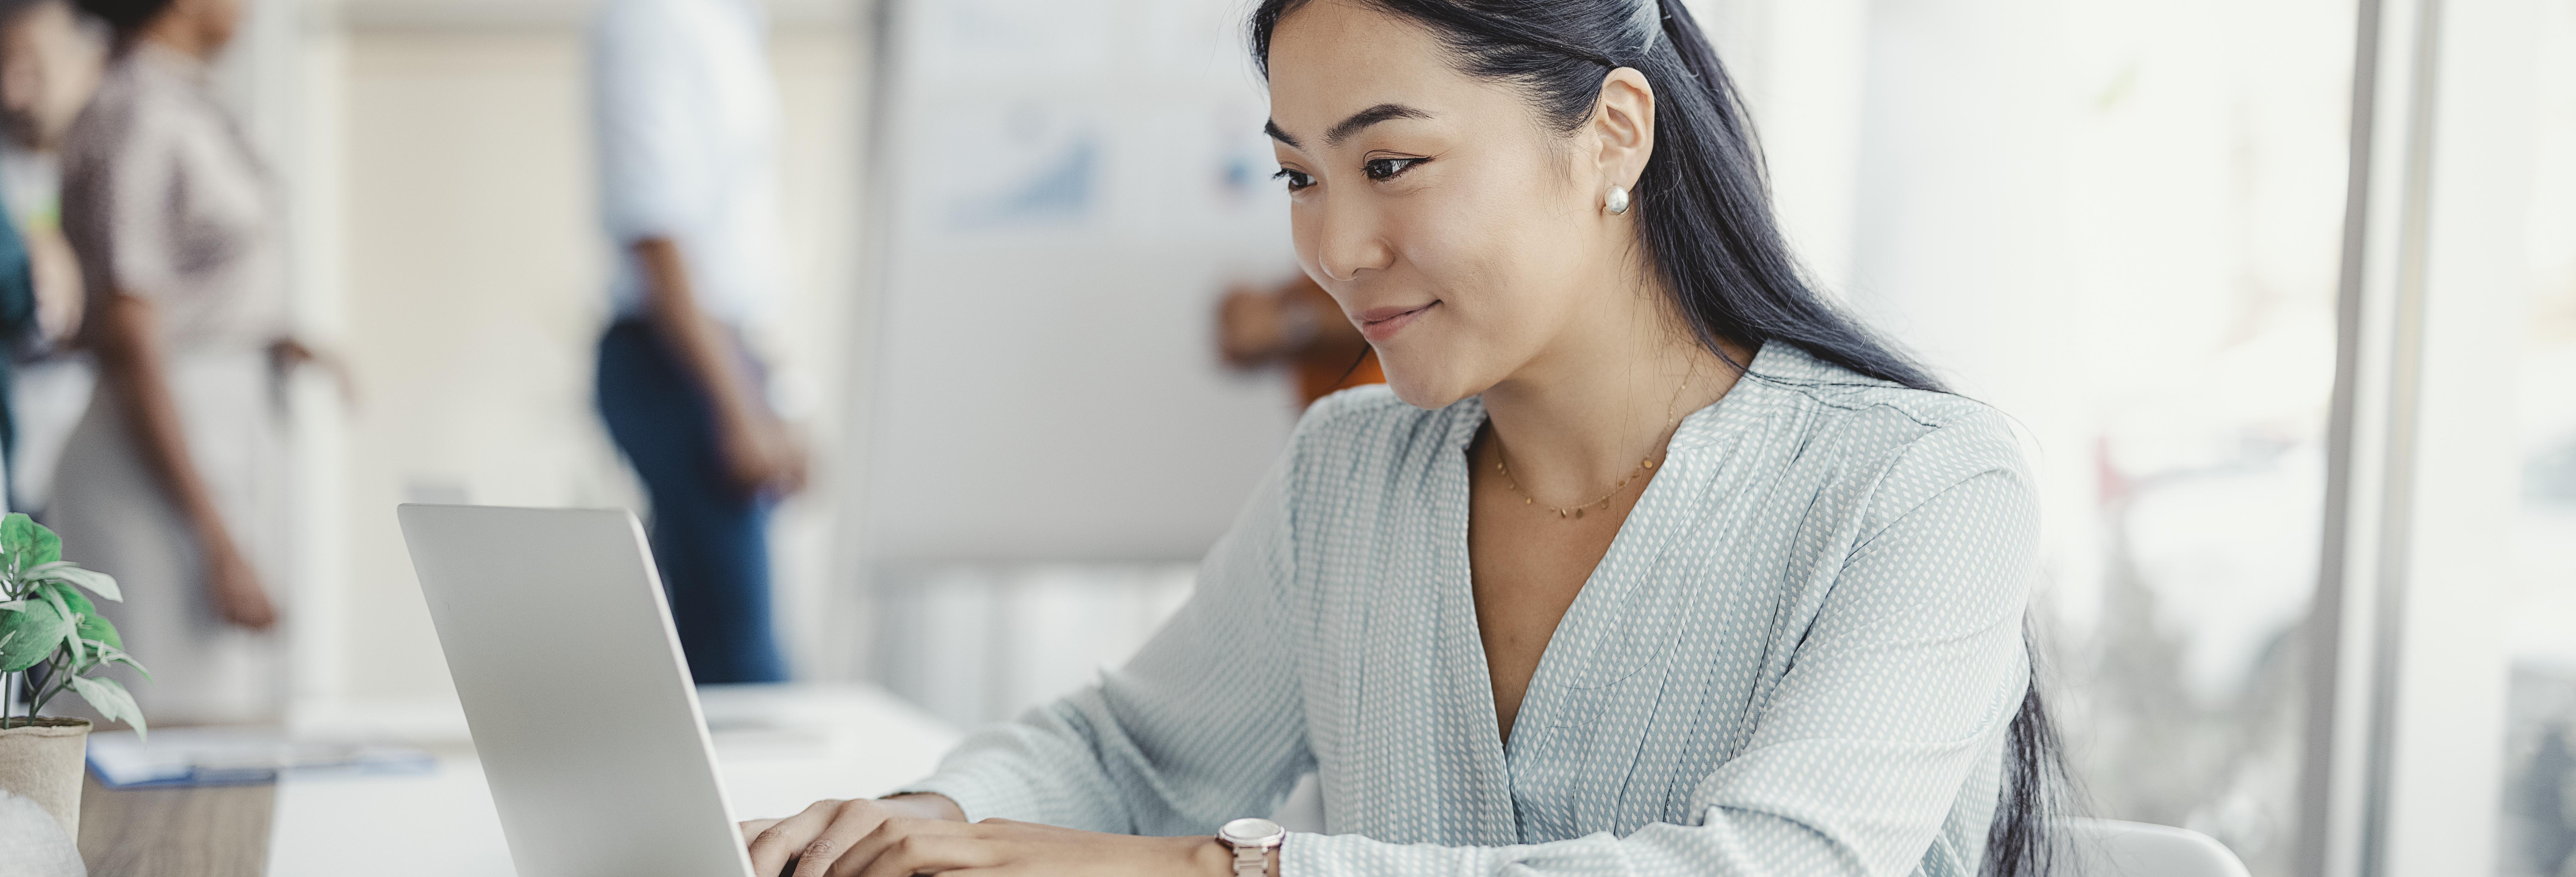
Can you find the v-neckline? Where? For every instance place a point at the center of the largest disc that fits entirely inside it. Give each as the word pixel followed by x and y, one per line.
pixel 1698 429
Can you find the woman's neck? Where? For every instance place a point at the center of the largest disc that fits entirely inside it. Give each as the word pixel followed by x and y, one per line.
pixel 1585 415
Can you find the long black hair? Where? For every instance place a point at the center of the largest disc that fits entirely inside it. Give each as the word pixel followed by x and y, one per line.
pixel 1704 220
pixel 125 17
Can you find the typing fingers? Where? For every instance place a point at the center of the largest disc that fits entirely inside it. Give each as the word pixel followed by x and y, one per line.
pixel 778 842
pixel 832 851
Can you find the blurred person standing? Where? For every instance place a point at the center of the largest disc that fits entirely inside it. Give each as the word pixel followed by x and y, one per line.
pixel 50 62
pixel 687 118
pixel 174 480
pixel 1296 324
pixel 18 321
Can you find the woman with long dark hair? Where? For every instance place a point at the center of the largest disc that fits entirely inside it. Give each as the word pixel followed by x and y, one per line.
pixel 1647 561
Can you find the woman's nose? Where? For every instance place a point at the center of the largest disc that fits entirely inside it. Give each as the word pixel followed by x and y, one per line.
pixel 1348 241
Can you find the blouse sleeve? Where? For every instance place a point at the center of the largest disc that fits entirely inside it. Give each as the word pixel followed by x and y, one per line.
pixel 1896 697
pixel 122 193
pixel 1202 726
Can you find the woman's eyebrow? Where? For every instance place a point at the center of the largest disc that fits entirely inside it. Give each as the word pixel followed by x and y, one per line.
pixel 1349 126
pixel 1272 128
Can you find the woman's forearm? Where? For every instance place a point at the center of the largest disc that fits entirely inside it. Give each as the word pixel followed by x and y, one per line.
pixel 136 370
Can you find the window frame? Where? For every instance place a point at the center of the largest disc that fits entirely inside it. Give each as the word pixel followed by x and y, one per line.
pixel 2406 700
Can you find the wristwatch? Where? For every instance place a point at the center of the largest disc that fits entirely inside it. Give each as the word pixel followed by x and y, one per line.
pixel 1251 840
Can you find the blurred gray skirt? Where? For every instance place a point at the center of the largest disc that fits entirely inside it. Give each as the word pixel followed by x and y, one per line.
pixel 115 517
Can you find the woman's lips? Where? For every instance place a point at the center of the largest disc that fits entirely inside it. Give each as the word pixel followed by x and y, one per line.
pixel 1379 324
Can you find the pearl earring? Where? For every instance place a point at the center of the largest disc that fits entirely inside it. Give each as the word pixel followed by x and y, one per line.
pixel 1618 200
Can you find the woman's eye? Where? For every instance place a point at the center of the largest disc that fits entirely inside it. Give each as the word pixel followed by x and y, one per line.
pixel 1296 179
pixel 1389 168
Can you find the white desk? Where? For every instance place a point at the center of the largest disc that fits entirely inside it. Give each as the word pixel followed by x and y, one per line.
pixel 777 748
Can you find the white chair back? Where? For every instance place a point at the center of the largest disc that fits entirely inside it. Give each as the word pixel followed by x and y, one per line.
pixel 2112 848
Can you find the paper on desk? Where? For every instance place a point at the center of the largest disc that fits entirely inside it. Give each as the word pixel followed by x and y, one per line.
pixel 232 756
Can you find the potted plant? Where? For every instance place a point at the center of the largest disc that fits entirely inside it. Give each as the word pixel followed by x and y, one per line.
pixel 51 640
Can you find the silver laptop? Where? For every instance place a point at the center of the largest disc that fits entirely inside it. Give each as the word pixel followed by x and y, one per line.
pixel 556 631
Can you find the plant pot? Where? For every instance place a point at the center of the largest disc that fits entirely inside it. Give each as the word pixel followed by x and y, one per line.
pixel 42 761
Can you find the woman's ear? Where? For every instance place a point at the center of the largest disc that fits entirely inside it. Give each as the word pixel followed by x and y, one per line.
pixel 1623 122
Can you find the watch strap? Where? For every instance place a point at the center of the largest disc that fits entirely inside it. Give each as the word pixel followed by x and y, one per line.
pixel 1251 861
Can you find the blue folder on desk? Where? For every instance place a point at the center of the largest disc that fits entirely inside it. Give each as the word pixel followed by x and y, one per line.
pixel 237 756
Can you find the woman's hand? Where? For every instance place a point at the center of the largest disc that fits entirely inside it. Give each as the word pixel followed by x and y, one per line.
pixel 234 587
pixel 829 827
pixel 285 355
pixel 60 299
pixel 898 838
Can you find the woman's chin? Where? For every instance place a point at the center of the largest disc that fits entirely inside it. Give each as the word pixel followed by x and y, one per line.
pixel 1427 391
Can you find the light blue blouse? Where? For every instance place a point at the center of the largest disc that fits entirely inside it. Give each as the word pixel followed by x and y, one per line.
pixel 1798 657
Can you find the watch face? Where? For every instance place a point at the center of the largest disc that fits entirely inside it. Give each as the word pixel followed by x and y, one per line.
pixel 1252 832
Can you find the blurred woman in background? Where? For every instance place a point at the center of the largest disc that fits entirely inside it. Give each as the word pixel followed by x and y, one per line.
pixel 174 480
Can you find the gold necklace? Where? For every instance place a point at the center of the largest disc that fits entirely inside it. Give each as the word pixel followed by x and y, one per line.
pixel 1643 465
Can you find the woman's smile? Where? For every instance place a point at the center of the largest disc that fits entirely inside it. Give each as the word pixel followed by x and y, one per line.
pixel 1380 324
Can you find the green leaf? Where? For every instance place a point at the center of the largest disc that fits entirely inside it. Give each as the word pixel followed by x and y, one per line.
pixel 112 655
pixel 71 597
pixel 91 624
pixel 29 543
pixel 71 632
pixel 30 635
pixel 99 630
pixel 65 571
pixel 111 700
pixel 13 606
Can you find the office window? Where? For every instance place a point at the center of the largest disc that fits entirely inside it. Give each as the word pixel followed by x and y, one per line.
pixel 2121 224
pixel 2205 204
pixel 2538 819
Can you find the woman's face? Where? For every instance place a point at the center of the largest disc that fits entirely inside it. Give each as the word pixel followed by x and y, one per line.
pixel 48 68
pixel 1459 235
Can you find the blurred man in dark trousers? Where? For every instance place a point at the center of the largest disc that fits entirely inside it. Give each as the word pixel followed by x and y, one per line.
pixel 687 122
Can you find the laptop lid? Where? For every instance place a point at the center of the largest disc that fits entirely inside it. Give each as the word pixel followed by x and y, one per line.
pixel 561 644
